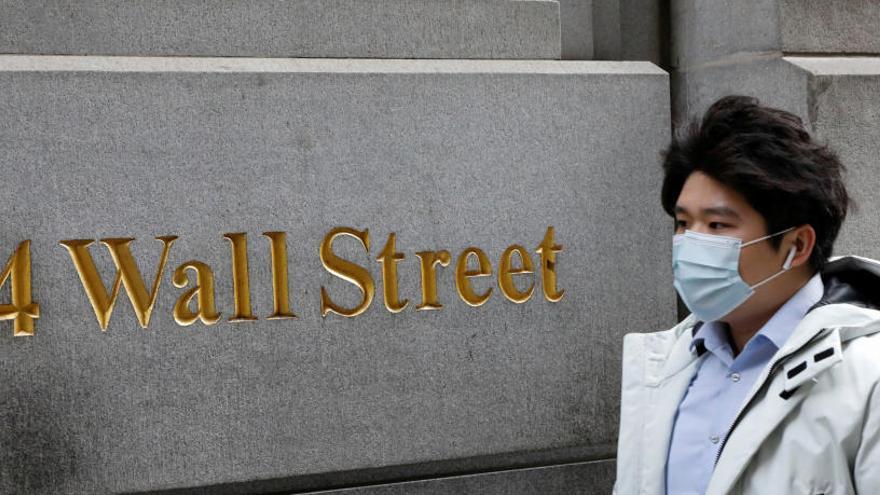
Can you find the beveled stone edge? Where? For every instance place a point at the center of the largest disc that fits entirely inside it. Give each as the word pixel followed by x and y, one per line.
pixel 464 466
pixel 837 66
pixel 89 63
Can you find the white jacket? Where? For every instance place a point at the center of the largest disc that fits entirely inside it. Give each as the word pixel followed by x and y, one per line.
pixel 809 425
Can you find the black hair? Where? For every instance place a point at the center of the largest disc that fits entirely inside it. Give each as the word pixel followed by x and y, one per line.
pixel 766 155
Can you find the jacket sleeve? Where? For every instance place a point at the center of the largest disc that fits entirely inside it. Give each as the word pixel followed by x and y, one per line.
pixel 866 475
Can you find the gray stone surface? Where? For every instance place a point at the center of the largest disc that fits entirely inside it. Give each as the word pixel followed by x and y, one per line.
pixel 831 26
pixel 586 477
pixel 769 78
pixel 498 29
pixel 644 31
pixel 628 30
pixel 845 112
pixel 606 29
pixel 713 32
pixel 577 29
pixel 446 154
pixel 707 32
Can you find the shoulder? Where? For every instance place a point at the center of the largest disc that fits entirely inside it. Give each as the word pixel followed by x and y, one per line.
pixel 863 352
pixel 639 340
pixel 859 332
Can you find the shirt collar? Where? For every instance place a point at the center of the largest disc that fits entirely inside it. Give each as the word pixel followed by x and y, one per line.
pixel 711 335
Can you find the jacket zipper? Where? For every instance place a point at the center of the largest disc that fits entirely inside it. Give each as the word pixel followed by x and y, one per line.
pixel 742 411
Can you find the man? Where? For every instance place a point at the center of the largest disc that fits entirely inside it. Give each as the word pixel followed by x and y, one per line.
pixel 772 384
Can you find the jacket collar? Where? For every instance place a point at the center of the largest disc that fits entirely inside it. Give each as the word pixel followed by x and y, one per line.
pixel 852 280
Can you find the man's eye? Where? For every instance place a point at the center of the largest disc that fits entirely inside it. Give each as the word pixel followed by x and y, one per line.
pixel 680 224
pixel 717 225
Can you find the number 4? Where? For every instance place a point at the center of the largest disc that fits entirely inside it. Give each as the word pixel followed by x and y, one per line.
pixel 23 310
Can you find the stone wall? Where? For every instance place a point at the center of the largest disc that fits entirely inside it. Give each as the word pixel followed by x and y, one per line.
pixel 217 123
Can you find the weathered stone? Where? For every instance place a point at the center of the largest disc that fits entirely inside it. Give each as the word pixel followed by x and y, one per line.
pixel 499 29
pixel 830 26
pixel 769 78
pixel 446 154
pixel 844 111
pixel 577 29
pixel 627 30
pixel 720 32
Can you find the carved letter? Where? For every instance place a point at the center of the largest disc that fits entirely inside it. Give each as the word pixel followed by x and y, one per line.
pixel 462 274
pixel 204 288
pixel 23 310
pixel 505 272
pixel 126 272
pixel 548 251
pixel 280 290
pixel 241 286
pixel 429 277
pixel 389 259
pixel 346 270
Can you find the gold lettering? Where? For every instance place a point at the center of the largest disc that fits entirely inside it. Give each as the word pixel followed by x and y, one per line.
pixel 389 259
pixel 280 289
pixel 548 251
pixel 505 274
pixel 241 286
pixel 127 274
pixel 346 270
pixel 23 309
pixel 204 288
pixel 429 277
pixel 462 274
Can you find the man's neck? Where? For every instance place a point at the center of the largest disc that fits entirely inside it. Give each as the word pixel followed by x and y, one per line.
pixel 744 328
pixel 743 331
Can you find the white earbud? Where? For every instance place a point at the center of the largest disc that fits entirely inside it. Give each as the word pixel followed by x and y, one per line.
pixel 790 257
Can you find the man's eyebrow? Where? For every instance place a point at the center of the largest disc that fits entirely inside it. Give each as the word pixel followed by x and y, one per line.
pixel 721 211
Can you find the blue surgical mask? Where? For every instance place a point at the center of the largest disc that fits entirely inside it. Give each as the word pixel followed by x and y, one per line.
pixel 706 271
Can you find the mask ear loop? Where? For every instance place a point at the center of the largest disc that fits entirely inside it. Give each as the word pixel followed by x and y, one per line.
pixel 759 239
pixel 785 267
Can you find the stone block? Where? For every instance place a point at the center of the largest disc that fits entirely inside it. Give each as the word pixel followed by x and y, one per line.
pixel 496 29
pixel 628 30
pixel 770 79
pixel 445 154
pixel 830 26
pixel 705 32
pixel 718 32
pixel 844 111
pixel 577 29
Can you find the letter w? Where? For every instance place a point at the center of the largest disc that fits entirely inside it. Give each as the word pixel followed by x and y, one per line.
pixel 127 274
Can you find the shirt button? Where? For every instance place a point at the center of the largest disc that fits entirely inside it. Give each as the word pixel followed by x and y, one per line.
pixel 735 377
pixel 714 439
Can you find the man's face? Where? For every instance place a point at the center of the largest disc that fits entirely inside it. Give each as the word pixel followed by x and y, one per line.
pixel 707 206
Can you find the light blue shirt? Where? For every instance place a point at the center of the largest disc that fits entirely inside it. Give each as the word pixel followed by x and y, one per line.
pixel 719 388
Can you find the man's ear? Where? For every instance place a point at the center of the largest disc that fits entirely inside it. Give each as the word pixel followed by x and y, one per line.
pixel 803 239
